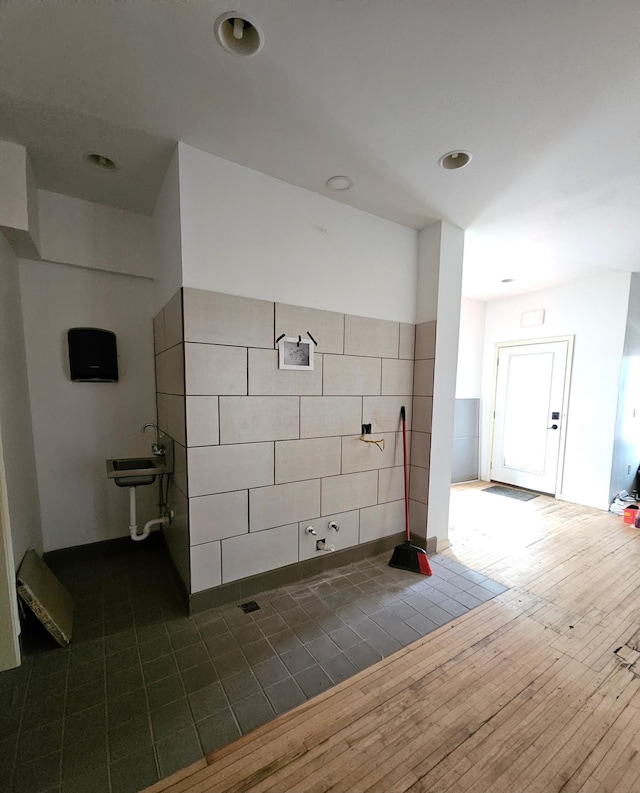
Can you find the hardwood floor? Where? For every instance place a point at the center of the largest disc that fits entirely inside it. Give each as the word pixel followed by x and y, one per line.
pixel 536 690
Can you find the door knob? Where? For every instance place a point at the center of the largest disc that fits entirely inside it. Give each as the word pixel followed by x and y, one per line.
pixel 553 427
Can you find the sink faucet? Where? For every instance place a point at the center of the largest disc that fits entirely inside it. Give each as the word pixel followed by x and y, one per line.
pixel 157 448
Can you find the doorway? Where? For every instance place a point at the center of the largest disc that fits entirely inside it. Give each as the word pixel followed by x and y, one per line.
pixel 530 413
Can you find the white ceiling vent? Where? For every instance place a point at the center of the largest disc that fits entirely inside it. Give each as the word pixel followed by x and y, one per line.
pixel 237 34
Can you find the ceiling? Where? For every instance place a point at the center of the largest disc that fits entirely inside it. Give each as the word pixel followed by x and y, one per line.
pixel 544 94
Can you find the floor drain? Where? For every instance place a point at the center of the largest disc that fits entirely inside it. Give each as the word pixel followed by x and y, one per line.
pixel 250 606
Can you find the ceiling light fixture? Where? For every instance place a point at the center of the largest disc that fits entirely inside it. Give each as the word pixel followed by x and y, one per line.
pixel 507 280
pixel 100 161
pixel 237 34
pixel 453 160
pixel 339 183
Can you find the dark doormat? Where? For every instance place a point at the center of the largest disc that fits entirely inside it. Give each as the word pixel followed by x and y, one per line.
pixel 509 492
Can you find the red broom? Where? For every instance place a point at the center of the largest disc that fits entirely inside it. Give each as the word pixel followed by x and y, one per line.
pixel 408 556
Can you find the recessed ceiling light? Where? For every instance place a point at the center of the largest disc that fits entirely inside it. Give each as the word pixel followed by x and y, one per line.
pixel 339 183
pixel 100 161
pixel 237 34
pixel 453 160
pixel 507 280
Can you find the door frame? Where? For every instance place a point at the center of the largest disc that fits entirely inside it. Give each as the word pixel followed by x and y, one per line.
pixel 565 399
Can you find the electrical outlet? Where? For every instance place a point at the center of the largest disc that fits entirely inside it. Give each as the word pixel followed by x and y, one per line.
pixel 366 429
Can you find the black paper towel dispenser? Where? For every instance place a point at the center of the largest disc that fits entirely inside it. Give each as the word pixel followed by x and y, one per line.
pixel 93 355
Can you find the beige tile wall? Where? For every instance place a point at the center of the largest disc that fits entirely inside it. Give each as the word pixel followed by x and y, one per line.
pixel 169 360
pixel 347 535
pixel 265 452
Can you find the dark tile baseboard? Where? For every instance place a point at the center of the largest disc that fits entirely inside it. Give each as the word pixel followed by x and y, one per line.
pixel 284 576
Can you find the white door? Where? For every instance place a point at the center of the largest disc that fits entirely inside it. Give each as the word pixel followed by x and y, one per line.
pixel 529 414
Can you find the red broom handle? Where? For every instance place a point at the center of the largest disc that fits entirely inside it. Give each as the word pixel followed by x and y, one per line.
pixel 406 476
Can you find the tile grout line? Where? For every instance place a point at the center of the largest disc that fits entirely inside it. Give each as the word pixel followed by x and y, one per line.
pixel 146 697
pixel 233 715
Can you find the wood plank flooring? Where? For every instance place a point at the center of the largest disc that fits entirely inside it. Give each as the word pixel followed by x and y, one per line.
pixel 537 690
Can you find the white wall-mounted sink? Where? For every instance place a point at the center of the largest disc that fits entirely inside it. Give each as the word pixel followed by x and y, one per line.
pixel 137 471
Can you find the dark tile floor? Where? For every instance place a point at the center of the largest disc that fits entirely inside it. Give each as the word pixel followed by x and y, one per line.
pixel 143 690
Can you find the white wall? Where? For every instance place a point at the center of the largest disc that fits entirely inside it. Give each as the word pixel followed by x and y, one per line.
pixel 15 418
pixel 73 231
pixel 245 233
pixel 593 310
pixel 470 349
pixel 166 222
pixel 77 426
pixel 13 178
pixel 18 200
pixel 449 263
pixel 428 256
pixel 626 450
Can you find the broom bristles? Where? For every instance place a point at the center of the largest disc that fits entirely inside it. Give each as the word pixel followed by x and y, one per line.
pixel 409 557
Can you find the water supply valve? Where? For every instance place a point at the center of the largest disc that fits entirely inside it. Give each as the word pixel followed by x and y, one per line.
pixel 333 525
pixel 311 531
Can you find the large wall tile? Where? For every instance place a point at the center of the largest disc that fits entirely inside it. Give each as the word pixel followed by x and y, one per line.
pixel 206 567
pixel 180 468
pixel 400 448
pixel 171 416
pixel 173 320
pixel 170 370
pixel 346 537
pixel 419 484
pixel 176 533
pixel 307 459
pixel 349 374
pixel 326 327
pixel 466 418
pixel 397 377
pixel 265 379
pixel 426 340
pixel 253 419
pixel 215 318
pixel 407 341
pixel 324 416
pixel 218 517
pixel 158 333
pixel 383 413
pixel 259 552
pixel 269 506
pixel 418 518
pixel 390 484
pixel 464 460
pixel 218 469
pixel 420 449
pixel 422 410
pixel 212 369
pixel 423 378
pixel 162 411
pixel 202 421
pixel 360 456
pixel 381 521
pixel 377 337
pixel 349 491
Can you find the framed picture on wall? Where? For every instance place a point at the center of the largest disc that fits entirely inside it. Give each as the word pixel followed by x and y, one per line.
pixel 295 353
